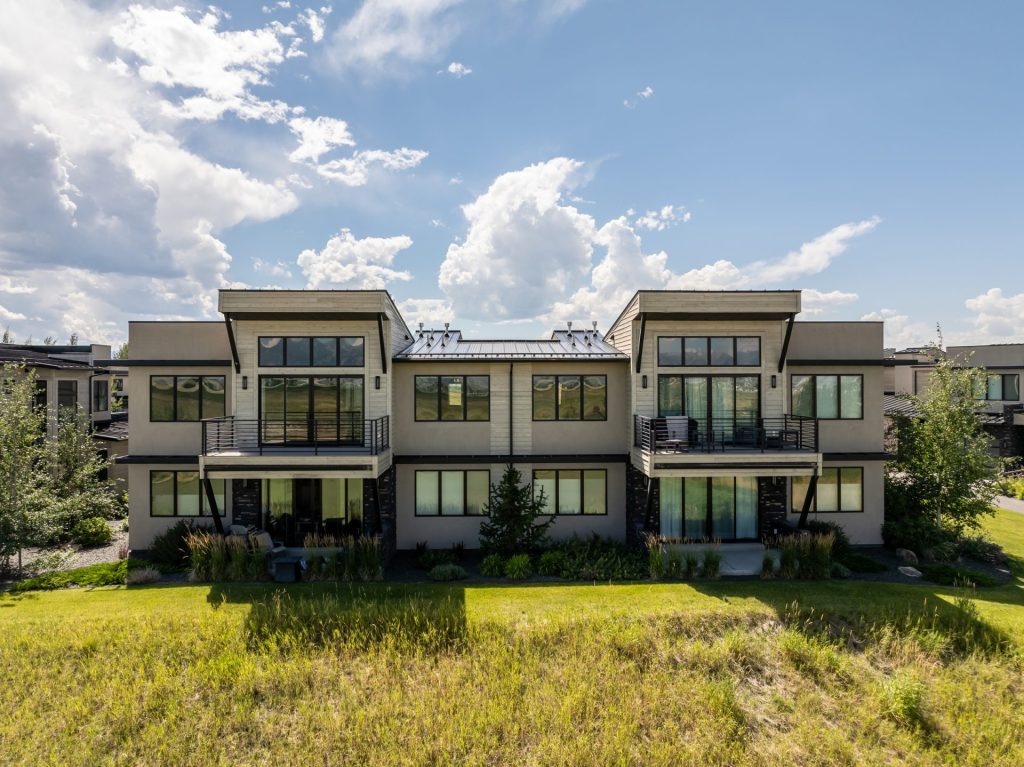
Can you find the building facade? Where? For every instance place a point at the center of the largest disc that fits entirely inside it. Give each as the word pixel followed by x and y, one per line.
pixel 697 415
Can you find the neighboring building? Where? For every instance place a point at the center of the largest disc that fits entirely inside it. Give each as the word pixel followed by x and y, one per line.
pixel 699 414
pixel 1000 400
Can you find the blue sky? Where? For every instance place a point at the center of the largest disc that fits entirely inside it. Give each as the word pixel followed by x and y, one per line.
pixel 512 164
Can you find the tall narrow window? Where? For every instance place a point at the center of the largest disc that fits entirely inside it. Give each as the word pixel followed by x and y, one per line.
pixel 100 396
pixel 67 394
pixel 543 398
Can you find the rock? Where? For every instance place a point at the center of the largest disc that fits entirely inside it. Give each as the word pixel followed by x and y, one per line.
pixel 910 572
pixel 907 556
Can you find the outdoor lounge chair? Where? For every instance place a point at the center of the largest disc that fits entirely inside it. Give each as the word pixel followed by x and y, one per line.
pixel 672 433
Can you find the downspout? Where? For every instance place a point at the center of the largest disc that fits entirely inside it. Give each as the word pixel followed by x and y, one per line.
pixel 510 421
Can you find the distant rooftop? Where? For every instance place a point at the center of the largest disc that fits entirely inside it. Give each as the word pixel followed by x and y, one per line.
pixel 563 345
pixel 40 356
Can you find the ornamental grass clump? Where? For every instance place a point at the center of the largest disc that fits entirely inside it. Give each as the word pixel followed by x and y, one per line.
pixel 518 567
pixel 712 563
pixel 655 556
pixel 493 566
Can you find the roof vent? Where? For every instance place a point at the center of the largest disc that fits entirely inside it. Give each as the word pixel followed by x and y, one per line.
pixel 569 323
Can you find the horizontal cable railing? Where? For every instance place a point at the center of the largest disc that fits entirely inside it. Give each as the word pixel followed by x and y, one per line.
pixel 347 432
pixel 678 434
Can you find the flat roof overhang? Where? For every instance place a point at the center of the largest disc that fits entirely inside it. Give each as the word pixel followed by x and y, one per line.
pixel 302 466
pixel 778 464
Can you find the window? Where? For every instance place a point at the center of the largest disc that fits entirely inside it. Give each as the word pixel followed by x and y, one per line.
pixel 452 493
pixel 304 410
pixel 452 398
pixel 342 500
pixel 705 351
pixel 67 394
pixel 186 398
pixel 181 494
pixel 695 508
pixel 722 401
pixel 570 398
pixel 838 490
pixel 827 396
pixel 100 396
pixel 304 352
pixel 1004 387
pixel 572 491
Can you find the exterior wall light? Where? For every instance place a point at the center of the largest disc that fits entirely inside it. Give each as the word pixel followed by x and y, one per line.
pixel 775 381
pixel 245 382
pixel 376 382
pixel 643 381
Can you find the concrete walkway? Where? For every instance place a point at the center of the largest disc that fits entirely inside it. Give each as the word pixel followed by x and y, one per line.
pixel 1009 504
pixel 737 558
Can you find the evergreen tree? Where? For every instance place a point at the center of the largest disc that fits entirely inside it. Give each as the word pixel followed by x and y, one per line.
pixel 512 525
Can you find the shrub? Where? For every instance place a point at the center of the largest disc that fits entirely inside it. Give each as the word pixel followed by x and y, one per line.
pixel 169 550
pixel 518 567
pixel 767 566
pixel 712 563
pixel 814 554
pixel 981 550
pixel 142 576
pixel 365 558
pixel 839 570
pixel 941 552
pixel 449 572
pixel 459 551
pixel 431 558
pixel 552 563
pixel 92 532
pixel 862 563
pixel 948 575
pixel 516 520
pixel 493 566
pixel 675 564
pixel 601 559
pixel 690 562
pixel 104 574
pixel 788 562
pixel 655 557
pixel 840 540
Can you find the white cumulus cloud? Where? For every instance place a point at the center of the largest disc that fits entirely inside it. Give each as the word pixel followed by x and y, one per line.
pixel 997 317
pixel 659 220
pixel 355 170
pixel 641 95
pixel 349 262
pixel 317 136
pixel 457 70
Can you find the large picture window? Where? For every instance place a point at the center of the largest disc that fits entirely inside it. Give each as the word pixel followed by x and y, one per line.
pixel 570 398
pixel 100 396
pixel 827 396
pixel 723 402
pixel 696 508
pixel 452 398
pixel 181 494
pixel 452 493
pixel 306 409
pixel 186 398
pixel 572 491
pixel 838 490
pixel 306 351
pixel 999 386
pixel 709 351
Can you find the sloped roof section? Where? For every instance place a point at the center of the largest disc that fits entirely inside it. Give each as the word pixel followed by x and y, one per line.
pixel 582 345
pixel 29 356
pixel 894 405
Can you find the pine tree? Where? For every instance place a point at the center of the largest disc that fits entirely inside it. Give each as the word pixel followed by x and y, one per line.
pixel 512 525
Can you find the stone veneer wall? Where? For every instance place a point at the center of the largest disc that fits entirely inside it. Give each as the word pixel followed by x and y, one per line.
pixel 1009 438
pixel 640 519
pixel 771 504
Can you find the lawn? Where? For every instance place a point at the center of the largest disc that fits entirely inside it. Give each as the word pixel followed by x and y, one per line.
pixel 728 672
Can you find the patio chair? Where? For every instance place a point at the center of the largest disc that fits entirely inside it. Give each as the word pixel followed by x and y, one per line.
pixel 677 430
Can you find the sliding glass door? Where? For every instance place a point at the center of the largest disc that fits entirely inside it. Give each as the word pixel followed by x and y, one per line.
pixel 718 403
pixel 697 508
pixel 301 410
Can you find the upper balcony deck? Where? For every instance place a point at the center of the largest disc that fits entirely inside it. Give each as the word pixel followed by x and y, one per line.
pixel 349 434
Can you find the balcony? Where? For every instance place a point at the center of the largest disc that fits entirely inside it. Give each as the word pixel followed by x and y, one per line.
pixel 674 435
pixel 351 434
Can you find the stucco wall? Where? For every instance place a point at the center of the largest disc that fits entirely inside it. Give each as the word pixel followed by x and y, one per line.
pixel 864 527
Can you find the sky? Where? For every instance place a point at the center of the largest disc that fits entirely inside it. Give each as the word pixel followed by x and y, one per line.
pixel 509 165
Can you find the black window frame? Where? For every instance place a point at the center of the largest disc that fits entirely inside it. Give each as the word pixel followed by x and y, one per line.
pixel 839 394
pixel 312 359
pixel 557 411
pixel 793 509
pixel 204 511
pixel 707 352
pixel 74 386
pixel 465 398
pixel 583 493
pixel 708 376
pixel 709 509
pixel 174 401
pixel 465 493
pixel 100 384
pixel 1002 383
pixel 311 418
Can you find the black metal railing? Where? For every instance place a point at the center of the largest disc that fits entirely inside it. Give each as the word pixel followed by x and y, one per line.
pixel 346 432
pixel 681 434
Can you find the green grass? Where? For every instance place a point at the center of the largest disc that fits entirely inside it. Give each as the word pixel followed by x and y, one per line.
pixel 950 575
pixel 103 574
pixel 724 672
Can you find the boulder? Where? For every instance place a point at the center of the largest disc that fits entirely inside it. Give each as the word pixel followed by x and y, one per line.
pixel 910 572
pixel 906 555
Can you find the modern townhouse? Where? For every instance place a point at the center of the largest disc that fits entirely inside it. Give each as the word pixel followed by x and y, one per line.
pixel 1000 402
pixel 698 414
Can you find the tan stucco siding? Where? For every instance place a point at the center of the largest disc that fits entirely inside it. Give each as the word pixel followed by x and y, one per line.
pixel 142 527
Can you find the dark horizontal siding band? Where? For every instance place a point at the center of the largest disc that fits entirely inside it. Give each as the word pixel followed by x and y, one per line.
pixel 859 456
pixel 251 469
pixel 157 459
pixel 169 363
pixel 882 363
pixel 750 465
pixel 458 459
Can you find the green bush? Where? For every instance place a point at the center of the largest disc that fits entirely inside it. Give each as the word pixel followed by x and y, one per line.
pixel 862 563
pixel 903 700
pixel 448 572
pixel 518 567
pixel 906 526
pixel 92 532
pixel 602 559
pixel 839 570
pixel 675 564
pixel 431 558
pixel 788 562
pixel 690 565
pixel 493 566
pixel 552 563
pixel 815 555
pixel 980 550
pixel 948 575
pixel 169 550
pixel 104 574
pixel 941 552
pixel 767 566
pixel 840 540
pixel 655 557
pixel 711 564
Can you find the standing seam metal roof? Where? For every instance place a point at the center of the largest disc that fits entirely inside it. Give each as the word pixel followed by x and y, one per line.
pixel 563 345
